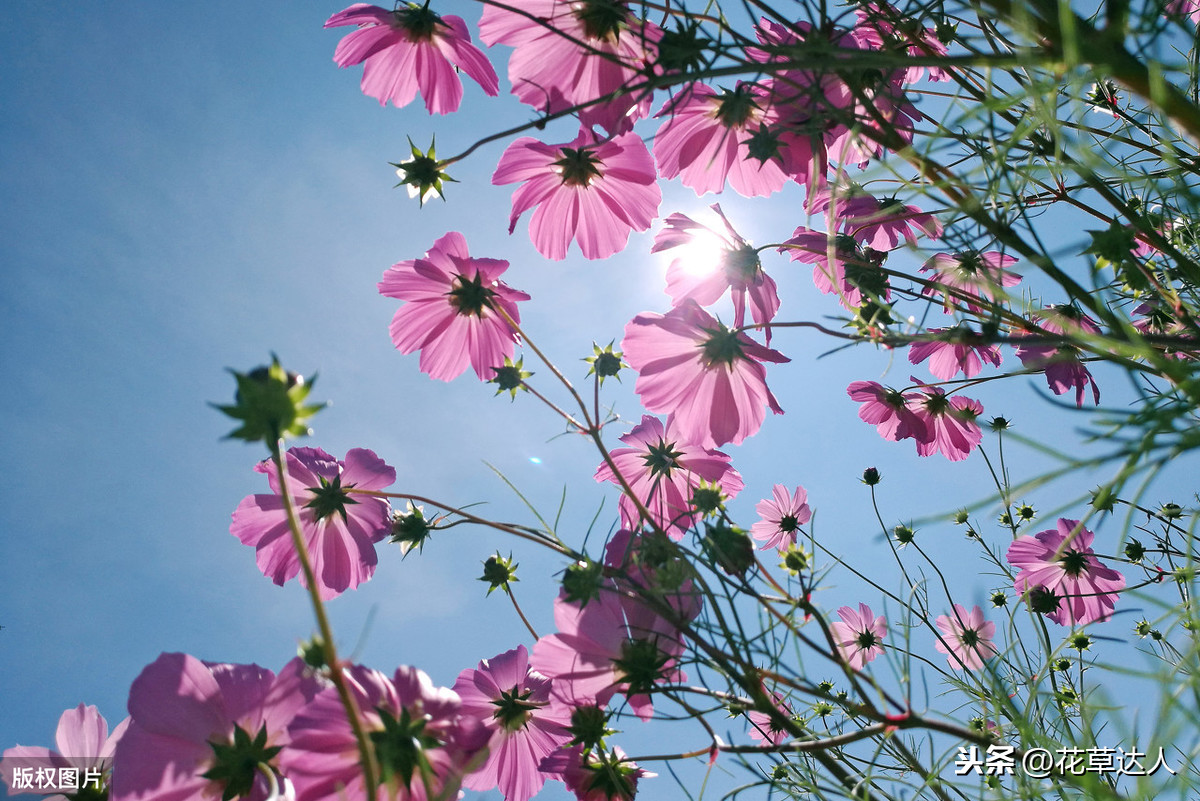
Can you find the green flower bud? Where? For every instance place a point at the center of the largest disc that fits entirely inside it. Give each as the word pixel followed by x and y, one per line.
pixel 270 403
pixel 498 572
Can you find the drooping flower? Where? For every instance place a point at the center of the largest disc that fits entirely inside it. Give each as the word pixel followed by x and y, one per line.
pixel 889 410
pixel 765 728
pixel 454 310
pixel 82 742
pixel 877 224
pixel 423 744
pixel 1060 568
pixel 708 263
pixel 596 775
pixel 707 140
pixel 411 49
pixel 858 635
pixel 709 377
pixel 949 423
pixel 591 191
pixel 1060 363
pixel 970 278
pixel 574 53
pixel 664 469
pixel 962 350
pixel 966 637
pixel 612 644
pixel 340 528
pixel 514 703
pixel 895 31
pixel 841 266
pixel 201 731
pixel 782 515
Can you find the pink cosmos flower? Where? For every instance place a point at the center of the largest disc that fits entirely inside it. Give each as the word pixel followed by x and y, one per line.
pixel 966 637
pixel 340 528
pixel 1061 365
pixel 710 263
pixel 514 704
pixel 970 278
pixel 201 731
pixel 1065 581
pixel 637 559
pixel 782 515
pixel 408 49
pixel 1185 8
pixel 889 410
pixel 453 315
pixel 423 744
pixel 858 635
pixel 962 351
pixel 707 140
pixel 589 191
pixel 710 378
pixel 878 224
pixel 572 53
pixel 83 742
pixel 841 266
pixel 597 775
pixel 663 470
pixel 950 427
pixel 765 729
pixel 894 31
pixel 613 644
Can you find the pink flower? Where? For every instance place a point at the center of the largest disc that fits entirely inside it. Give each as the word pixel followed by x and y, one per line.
pixel 710 263
pixel 950 427
pixel 638 558
pixel 597 775
pixel 897 32
pixel 962 351
pixel 423 744
pixel 83 742
pixel 841 266
pixel 707 138
pixel 454 310
pixel 966 637
pixel 340 528
pixel 889 410
pixel 1185 8
pixel 201 731
pixel 663 469
pixel 513 703
pixel 1061 365
pixel 878 224
pixel 711 378
pixel 765 728
pixel 408 49
pixel 1063 578
pixel 572 53
pixel 970 278
pixel 782 515
pixel 858 635
pixel 612 644
pixel 589 191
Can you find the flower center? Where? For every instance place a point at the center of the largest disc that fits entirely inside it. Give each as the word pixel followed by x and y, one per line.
pixel 640 665
pixel 662 458
pixel 470 297
pixel 400 746
pixel 735 108
pixel 235 765
pixel 866 639
pixel 1073 562
pixel 577 166
pixel 330 498
pixel 788 524
pixel 513 709
pixel 601 19
pixel 722 347
pixel 969 638
pixel 417 21
pixel 741 266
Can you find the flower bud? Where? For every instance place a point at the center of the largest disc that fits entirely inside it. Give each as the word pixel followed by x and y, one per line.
pixel 270 403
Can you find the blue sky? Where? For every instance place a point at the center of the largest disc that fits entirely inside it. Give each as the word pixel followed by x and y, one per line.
pixel 190 187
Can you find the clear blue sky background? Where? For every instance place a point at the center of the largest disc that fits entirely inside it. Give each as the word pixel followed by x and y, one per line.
pixel 188 187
